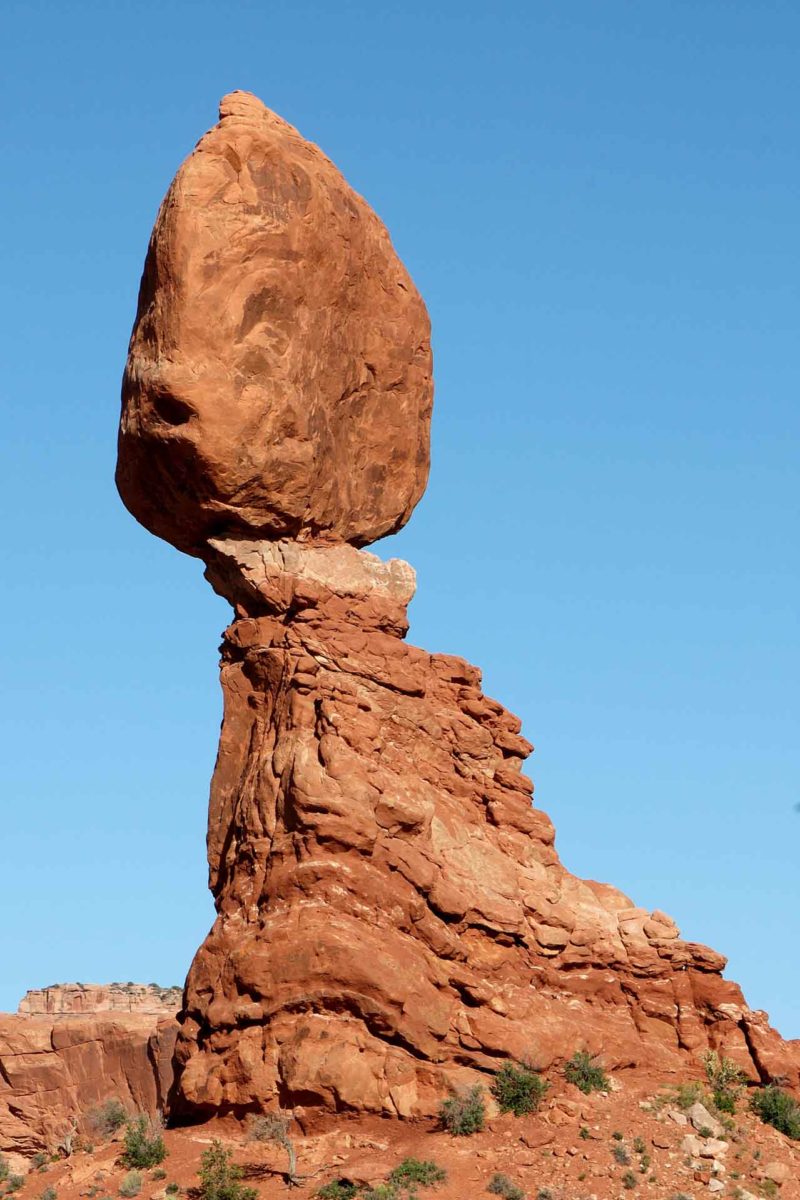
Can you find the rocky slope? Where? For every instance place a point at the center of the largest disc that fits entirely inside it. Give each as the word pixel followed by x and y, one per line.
pixel 632 1141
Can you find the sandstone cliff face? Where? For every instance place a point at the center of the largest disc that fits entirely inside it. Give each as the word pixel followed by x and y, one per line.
pixel 74 999
pixel 54 1070
pixel 393 916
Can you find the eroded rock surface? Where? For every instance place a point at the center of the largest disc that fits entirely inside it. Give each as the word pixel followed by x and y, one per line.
pixel 90 999
pixel 53 1070
pixel 393 916
pixel 279 373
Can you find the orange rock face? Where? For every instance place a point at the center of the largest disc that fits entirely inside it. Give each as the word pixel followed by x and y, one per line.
pixel 393 916
pixel 279 374
pixel 54 1070
pixel 393 919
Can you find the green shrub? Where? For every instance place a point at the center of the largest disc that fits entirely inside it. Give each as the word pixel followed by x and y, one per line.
pixel 143 1144
pixel 172 1189
pixel 519 1089
pixel 159 1173
pixel 381 1191
pixel 687 1094
pixel 501 1185
pixel 131 1184
pixel 49 1193
pixel 14 1183
pixel 639 1145
pixel 39 1161
pixel 629 1180
pixel 338 1189
pixel 106 1118
pixel 220 1178
pixel 777 1108
pixel 621 1155
pixel 725 1080
pixel 413 1171
pixel 585 1074
pixel 3 1168
pixel 464 1113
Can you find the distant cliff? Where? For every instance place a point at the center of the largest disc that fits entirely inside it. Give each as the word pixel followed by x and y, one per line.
pixel 89 999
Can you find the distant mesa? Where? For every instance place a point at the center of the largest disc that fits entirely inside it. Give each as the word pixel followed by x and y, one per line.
pixel 89 999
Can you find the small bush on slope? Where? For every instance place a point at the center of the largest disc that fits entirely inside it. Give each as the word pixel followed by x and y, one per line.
pixel 464 1113
pixel 220 1178
pixel 585 1074
pixel 777 1108
pixel 143 1145
pixel 519 1089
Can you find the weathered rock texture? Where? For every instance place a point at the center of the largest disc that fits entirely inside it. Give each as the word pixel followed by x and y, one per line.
pixel 393 916
pixel 279 373
pixel 89 999
pixel 54 1070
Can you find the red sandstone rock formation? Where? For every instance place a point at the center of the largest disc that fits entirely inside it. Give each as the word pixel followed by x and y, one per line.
pixel 74 999
pixel 393 916
pixel 54 1070
pixel 279 373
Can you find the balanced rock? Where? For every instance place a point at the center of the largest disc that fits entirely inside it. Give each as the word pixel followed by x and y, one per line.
pixel 393 920
pixel 279 372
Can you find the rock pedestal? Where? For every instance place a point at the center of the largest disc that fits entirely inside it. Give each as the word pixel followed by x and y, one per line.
pixel 393 916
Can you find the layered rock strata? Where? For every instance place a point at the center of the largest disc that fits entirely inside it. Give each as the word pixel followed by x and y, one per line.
pixel 90 999
pixel 393 917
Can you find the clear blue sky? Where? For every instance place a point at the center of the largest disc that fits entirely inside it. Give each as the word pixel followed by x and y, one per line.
pixel 599 202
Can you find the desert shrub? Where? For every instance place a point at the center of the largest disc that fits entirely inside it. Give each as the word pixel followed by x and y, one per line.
pixel 584 1133
pixel 131 1185
pixel 3 1168
pixel 412 1172
pixel 618 1135
pixel 639 1145
pixel 159 1173
pixel 621 1155
pixel 687 1094
pixel 220 1178
pixel 463 1113
pixel 381 1191
pixel 143 1145
pixel 501 1185
pixel 14 1183
pixel 629 1180
pixel 585 1073
pixel 544 1194
pixel 172 1189
pixel 519 1089
pixel 106 1118
pixel 49 1193
pixel 274 1127
pixel 338 1189
pixel 39 1161
pixel 725 1080
pixel 777 1108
